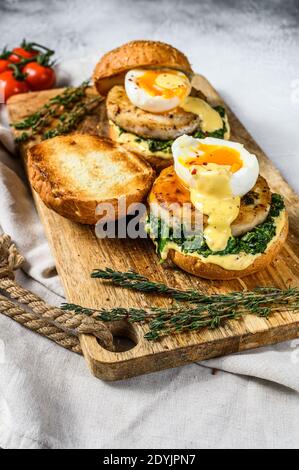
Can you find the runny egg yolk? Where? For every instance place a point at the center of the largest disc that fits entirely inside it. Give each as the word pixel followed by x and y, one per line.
pixel 211 193
pixel 168 84
pixel 226 156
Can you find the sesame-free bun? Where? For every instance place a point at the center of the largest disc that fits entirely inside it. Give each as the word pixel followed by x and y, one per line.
pixel 195 266
pixel 139 148
pixel 112 67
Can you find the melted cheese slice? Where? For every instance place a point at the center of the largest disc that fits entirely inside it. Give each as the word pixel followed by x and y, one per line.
pixel 211 120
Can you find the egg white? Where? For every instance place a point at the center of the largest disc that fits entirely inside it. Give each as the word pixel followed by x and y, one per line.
pixel 143 100
pixel 242 181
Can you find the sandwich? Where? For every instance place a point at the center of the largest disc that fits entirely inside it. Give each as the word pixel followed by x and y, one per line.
pixel 75 174
pixel 150 100
pixel 234 225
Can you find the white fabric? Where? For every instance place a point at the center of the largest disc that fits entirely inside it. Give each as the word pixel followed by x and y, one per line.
pixel 48 399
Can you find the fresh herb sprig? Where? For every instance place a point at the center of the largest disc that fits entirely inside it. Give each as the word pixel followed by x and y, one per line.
pixel 161 322
pixel 200 311
pixel 134 281
pixel 70 120
pixel 68 107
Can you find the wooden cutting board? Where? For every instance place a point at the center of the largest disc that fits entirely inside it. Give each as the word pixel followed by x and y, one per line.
pixel 77 252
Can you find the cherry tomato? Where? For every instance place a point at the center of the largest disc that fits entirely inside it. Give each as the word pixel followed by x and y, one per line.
pixel 39 77
pixel 4 65
pixel 9 85
pixel 20 51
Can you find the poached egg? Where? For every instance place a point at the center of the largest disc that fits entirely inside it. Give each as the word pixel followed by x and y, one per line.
pixel 217 173
pixel 157 91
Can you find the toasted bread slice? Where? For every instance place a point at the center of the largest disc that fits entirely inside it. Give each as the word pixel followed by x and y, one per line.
pixel 74 174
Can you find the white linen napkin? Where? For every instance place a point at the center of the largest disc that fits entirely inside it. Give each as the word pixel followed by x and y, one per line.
pixel 18 215
pixel 19 219
pixel 49 399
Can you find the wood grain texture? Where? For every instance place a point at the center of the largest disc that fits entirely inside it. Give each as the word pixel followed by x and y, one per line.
pixel 77 252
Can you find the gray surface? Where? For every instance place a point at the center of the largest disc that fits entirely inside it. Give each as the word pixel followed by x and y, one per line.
pixel 249 51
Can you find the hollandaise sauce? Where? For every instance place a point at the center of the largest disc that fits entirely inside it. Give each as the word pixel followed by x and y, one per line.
pixel 212 194
pixel 211 119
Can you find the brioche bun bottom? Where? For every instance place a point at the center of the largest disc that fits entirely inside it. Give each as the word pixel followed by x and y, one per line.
pixel 195 266
pixel 157 162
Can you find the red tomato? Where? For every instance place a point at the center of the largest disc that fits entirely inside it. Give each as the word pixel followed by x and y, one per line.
pixel 20 51
pixel 39 77
pixel 4 65
pixel 9 85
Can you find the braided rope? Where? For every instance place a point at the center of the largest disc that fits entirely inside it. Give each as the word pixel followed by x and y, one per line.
pixel 10 258
pixel 31 311
pixel 29 320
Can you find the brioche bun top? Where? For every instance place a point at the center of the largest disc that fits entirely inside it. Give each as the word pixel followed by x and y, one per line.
pixel 112 67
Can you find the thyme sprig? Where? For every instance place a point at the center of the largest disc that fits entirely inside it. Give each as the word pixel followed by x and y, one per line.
pixel 70 120
pixel 161 321
pixel 135 281
pixel 199 311
pixel 68 107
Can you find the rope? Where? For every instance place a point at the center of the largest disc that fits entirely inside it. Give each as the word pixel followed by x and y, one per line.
pixel 31 311
pixel 10 258
pixel 29 320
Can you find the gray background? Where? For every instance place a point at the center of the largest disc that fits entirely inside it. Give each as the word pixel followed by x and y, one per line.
pixel 249 51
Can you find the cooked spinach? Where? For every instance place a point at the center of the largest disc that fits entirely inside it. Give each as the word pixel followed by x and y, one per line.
pixel 219 133
pixel 220 110
pixel 156 145
pixel 253 242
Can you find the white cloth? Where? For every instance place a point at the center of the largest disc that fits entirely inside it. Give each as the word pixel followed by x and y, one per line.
pixel 48 398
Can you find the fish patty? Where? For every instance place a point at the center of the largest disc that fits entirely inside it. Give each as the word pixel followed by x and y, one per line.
pixel 163 126
pixel 254 206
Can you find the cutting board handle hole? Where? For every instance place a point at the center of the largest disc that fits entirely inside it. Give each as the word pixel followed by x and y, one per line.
pixel 124 336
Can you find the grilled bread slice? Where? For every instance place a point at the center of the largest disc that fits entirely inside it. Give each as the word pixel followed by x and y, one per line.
pixel 74 174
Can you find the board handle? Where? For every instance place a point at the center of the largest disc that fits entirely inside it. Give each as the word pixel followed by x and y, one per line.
pixel 116 364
